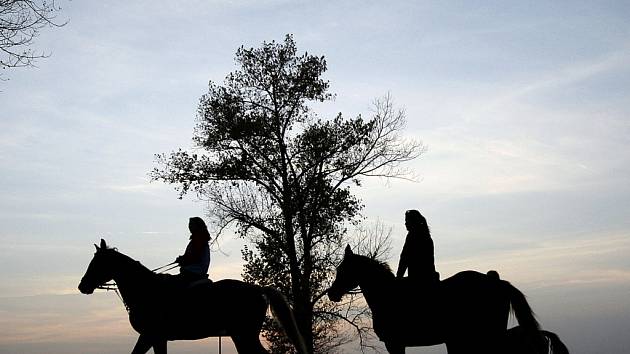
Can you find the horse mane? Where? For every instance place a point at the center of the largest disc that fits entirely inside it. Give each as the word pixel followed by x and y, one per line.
pixel 130 260
pixel 379 266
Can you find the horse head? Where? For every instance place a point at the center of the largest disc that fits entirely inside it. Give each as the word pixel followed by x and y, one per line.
pixel 347 277
pixel 99 271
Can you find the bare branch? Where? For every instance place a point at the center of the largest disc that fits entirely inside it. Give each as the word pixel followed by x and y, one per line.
pixel 20 23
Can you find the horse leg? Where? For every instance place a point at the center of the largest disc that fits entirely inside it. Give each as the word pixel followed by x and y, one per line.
pixel 473 345
pixel 248 344
pixel 142 345
pixel 455 348
pixel 394 348
pixel 488 345
pixel 159 346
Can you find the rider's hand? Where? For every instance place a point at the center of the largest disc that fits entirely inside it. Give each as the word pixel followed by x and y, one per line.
pixel 179 259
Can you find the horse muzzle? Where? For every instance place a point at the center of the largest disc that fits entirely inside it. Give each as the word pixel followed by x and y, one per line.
pixel 334 296
pixel 85 289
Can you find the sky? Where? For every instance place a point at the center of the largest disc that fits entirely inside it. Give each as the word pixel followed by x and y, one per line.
pixel 523 107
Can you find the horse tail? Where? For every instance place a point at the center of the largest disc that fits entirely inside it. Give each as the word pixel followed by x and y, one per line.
pixel 520 308
pixel 520 340
pixel 527 320
pixel 526 317
pixel 284 315
pixel 555 344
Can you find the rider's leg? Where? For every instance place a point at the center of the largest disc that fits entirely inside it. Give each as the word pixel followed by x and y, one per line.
pixel 248 344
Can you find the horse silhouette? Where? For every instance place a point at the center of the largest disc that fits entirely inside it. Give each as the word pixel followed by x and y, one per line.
pixel 161 312
pixel 468 311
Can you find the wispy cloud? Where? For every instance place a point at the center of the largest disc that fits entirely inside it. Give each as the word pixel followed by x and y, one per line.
pixel 62 318
pixel 559 263
pixel 566 75
pixel 145 188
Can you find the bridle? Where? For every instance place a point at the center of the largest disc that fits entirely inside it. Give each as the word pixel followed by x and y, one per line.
pixel 112 286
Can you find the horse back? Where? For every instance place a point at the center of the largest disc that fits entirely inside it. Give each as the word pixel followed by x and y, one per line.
pixel 465 305
pixel 467 294
pixel 208 309
pixel 479 298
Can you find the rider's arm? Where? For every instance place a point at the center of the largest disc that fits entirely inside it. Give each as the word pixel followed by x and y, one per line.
pixel 402 268
pixel 402 264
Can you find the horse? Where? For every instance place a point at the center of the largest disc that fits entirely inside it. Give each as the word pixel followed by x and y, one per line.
pixel 161 311
pixel 468 312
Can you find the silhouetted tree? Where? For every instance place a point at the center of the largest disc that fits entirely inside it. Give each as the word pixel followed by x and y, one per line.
pixel 20 23
pixel 267 164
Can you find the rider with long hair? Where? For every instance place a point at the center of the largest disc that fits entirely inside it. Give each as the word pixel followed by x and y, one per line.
pixel 417 254
pixel 195 261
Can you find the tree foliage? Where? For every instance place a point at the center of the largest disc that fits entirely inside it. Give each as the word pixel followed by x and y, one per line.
pixel 20 22
pixel 282 176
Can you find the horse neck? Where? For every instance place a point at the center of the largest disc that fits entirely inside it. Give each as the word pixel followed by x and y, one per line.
pixel 375 282
pixel 132 278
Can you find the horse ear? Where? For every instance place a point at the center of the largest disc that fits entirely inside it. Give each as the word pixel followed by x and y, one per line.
pixel 103 244
pixel 97 249
pixel 348 250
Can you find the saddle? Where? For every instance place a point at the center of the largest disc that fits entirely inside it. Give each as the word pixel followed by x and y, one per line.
pixel 421 289
pixel 195 283
pixel 180 283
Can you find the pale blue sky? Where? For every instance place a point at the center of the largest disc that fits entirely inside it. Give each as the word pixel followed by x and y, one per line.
pixel 523 106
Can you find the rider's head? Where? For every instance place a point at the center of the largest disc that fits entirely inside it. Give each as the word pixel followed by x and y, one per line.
pixel 197 226
pixel 414 221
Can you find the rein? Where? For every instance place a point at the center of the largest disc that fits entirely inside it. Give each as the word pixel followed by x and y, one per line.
pixel 114 287
pixel 173 266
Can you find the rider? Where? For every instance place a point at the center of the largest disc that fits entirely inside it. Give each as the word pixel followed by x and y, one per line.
pixel 195 261
pixel 417 253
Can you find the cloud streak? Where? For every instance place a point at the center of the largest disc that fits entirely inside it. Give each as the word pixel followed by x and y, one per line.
pixel 557 263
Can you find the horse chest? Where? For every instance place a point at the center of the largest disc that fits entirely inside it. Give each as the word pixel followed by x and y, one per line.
pixel 145 321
